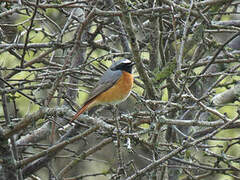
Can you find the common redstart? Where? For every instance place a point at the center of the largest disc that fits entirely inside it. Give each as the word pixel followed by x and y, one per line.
pixel 113 88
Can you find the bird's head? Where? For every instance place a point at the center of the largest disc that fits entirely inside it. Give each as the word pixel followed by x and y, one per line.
pixel 123 65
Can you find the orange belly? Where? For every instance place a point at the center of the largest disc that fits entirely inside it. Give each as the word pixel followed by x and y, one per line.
pixel 119 92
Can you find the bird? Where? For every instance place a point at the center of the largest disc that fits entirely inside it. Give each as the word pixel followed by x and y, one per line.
pixel 113 87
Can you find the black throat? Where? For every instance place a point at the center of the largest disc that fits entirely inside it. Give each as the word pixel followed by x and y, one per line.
pixel 127 68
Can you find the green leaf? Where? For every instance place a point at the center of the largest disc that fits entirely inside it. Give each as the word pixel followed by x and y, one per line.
pixel 166 71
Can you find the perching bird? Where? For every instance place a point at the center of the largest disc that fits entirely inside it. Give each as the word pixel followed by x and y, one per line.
pixel 113 88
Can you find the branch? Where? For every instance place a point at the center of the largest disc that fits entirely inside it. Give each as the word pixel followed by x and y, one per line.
pixel 227 96
pixel 56 148
pixel 28 119
pixel 227 23
pixel 34 45
pixel 214 57
pixel 28 33
pixel 135 50
pixel 83 156
pixel 153 165
pixel 211 2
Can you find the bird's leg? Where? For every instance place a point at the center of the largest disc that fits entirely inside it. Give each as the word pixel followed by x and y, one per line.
pixel 120 170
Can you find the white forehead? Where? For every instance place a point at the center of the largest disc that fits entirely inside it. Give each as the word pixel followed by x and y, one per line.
pixel 126 61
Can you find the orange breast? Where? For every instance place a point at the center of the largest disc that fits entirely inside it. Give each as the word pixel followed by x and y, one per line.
pixel 119 92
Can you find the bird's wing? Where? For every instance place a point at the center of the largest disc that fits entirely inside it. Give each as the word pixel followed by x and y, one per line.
pixel 108 79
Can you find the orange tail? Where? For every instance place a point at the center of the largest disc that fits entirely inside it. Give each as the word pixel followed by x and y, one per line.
pixel 82 110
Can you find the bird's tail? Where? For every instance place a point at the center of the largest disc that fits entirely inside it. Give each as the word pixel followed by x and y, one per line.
pixel 86 106
pixel 80 111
